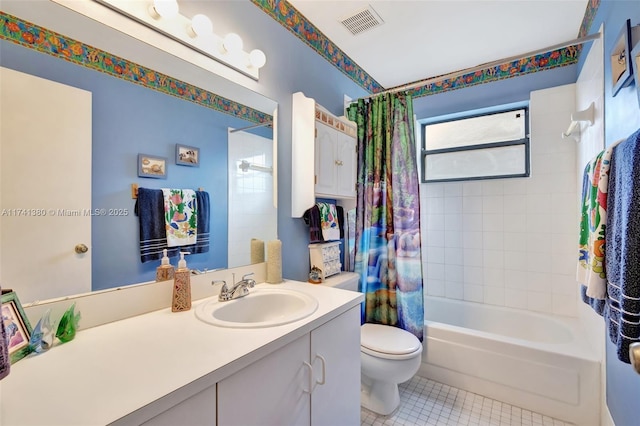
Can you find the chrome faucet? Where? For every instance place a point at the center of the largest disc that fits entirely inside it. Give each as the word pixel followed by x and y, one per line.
pixel 239 289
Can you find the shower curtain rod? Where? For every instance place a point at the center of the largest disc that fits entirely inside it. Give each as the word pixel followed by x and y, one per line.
pixel 269 123
pixel 573 42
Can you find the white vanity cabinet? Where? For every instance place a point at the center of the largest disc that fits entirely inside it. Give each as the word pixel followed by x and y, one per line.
pixel 335 162
pixel 313 380
pixel 198 410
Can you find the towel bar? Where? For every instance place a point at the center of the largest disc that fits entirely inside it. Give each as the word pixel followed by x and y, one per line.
pixel 134 190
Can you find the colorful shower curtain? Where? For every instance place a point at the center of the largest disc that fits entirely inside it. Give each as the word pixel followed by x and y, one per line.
pixel 388 257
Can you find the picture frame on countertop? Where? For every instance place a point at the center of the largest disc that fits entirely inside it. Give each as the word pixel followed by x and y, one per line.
pixel 620 59
pixel 17 327
pixel 152 166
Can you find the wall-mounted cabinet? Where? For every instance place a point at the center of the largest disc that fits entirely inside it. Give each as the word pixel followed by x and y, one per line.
pixel 324 160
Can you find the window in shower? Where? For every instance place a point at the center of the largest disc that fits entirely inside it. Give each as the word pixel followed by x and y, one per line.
pixel 488 146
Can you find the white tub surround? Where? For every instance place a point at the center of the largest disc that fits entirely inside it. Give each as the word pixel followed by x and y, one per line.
pixel 538 362
pixel 132 370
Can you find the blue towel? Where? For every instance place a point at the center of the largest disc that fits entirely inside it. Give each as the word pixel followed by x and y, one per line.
pixel 204 221
pixel 153 237
pixel 622 311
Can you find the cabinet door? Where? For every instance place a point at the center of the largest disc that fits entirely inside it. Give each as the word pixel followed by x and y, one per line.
pixel 346 165
pixel 199 410
pixel 325 161
pixel 335 355
pixel 269 392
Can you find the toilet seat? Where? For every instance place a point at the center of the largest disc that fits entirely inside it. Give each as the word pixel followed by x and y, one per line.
pixel 388 342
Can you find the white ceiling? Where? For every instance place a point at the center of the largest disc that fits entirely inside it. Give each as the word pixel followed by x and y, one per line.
pixel 426 38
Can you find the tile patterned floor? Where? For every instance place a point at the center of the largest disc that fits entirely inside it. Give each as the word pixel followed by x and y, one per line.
pixel 429 403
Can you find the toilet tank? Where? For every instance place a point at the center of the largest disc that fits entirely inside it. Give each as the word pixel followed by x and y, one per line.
pixel 343 280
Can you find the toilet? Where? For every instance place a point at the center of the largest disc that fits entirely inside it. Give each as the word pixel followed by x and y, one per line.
pixel 389 356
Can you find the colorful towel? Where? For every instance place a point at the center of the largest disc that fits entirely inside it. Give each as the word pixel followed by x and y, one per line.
pixel 622 311
pixel 180 216
pixel 329 221
pixel 591 259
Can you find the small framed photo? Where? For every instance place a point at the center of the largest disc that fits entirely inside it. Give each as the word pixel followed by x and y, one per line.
pixel 635 59
pixel 620 59
pixel 16 326
pixel 187 155
pixel 152 166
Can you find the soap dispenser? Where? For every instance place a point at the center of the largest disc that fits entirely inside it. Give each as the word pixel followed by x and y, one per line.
pixel 165 271
pixel 181 286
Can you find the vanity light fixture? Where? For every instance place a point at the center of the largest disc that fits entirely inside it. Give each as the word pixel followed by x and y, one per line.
pixel 200 26
pixel 196 33
pixel 232 43
pixel 167 9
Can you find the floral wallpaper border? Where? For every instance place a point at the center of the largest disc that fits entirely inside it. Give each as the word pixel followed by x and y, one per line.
pixel 46 41
pixel 289 17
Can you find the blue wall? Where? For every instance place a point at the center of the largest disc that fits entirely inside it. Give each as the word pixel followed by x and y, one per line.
pixel 129 119
pixel 622 118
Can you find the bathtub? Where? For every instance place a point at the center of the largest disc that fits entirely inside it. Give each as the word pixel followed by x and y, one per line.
pixel 538 362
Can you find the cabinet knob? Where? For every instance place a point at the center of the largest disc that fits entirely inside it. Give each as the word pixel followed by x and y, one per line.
pixel 339 163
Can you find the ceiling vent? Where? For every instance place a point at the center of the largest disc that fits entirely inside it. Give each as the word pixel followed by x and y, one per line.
pixel 362 20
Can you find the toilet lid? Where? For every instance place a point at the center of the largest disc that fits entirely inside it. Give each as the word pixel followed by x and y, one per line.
pixel 388 340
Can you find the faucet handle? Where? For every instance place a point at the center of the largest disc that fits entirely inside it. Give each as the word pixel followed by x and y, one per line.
pixel 250 282
pixel 224 284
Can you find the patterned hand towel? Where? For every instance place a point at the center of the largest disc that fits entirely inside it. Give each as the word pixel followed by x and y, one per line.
pixel 204 224
pixel 622 311
pixel 591 264
pixel 329 221
pixel 180 216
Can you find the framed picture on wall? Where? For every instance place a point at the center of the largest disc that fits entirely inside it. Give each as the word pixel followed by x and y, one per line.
pixel 16 327
pixel 635 61
pixel 620 59
pixel 152 166
pixel 187 155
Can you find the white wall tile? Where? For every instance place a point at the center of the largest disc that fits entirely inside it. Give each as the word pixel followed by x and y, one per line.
pixel 493 277
pixel 453 239
pixel 473 275
pixel 473 293
pixel 514 298
pixel 493 259
pixel 539 282
pixel 454 256
pixel 493 222
pixel 564 284
pixel 514 186
pixel 435 288
pixel 493 204
pixel 453 222
pixel 515 279
pixel 472 204
pixel 434 206
pixel 434 254
pixel 494 295
pixel 431 190
pixel 492 187
pixel 515 204
pixel 435 222
pixel 471 188
pixel 435 271
pixel 472 240
pixel 472 222
pixel 453 205
pixel 453 189
pixel 433 239
pixel 454 290
pixel 515 223
pixel 493 240
pixel 472 257
pixel 453 273
pixel 563 304
pixel 515 260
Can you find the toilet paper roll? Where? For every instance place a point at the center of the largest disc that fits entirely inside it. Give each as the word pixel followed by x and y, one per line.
pixel 257 251
pixel 274 262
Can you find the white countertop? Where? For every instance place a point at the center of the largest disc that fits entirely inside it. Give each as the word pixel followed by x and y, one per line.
pixel 110 371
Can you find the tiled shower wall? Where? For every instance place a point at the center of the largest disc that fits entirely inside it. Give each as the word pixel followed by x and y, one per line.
pixel 510 242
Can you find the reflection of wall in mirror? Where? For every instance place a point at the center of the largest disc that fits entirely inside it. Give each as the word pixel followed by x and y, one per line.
pixel 251 210
pixel 128 119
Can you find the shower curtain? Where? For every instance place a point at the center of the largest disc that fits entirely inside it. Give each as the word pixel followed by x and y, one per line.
pixel 388 254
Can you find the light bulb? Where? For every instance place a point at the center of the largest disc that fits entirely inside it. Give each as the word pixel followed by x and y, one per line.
pixel 257 58
pixel 232 43
pixel 201 25
pixel 164 8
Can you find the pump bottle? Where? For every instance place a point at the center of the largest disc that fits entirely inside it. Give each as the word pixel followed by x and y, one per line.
pixel 165 271
pixel 181 286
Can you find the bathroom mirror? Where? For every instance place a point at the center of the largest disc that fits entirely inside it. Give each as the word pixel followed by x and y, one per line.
pixel 125 119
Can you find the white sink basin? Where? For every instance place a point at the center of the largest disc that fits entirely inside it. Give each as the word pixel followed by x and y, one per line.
pixel 260 308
